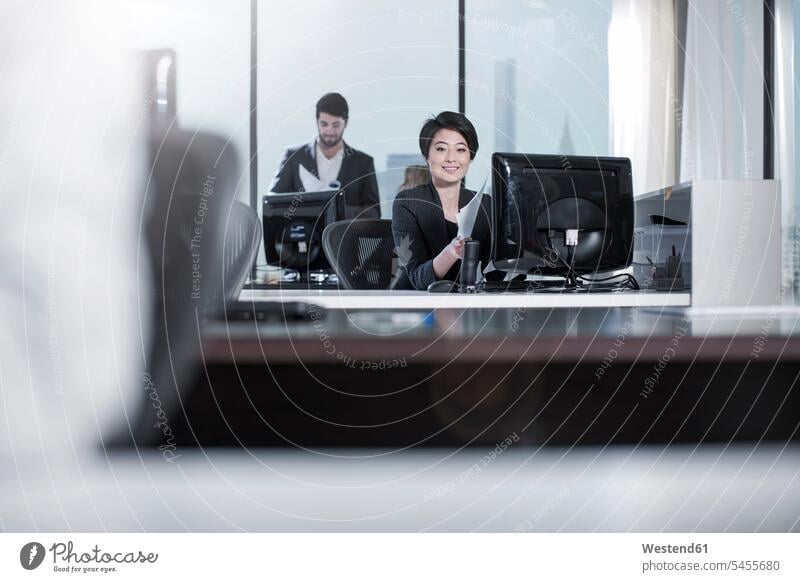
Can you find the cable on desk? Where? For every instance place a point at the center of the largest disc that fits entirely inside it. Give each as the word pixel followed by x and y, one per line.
pixel 623 281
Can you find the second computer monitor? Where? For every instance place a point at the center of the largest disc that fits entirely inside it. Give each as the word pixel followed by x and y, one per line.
pixel 293 225
pixel 556 215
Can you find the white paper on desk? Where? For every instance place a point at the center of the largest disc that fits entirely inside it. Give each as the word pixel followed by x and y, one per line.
pixel 468 214
pixel 310 182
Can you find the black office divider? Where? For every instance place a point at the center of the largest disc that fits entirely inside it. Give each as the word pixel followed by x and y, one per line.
pixel 189 205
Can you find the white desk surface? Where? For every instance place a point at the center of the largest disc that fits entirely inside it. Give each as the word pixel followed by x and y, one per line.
pixel 422 300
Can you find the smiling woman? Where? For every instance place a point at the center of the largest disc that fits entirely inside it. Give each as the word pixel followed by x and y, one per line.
pixel 424 219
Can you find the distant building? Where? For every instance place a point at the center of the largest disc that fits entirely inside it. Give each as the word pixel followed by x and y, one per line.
pixel 567 147
pixel 505 126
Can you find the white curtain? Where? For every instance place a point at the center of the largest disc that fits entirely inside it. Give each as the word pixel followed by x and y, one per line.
pixel 722 135
pixel 786 120
pixel 644 105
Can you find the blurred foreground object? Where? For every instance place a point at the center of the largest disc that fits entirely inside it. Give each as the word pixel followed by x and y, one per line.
pixel 72 152
pixel 191 223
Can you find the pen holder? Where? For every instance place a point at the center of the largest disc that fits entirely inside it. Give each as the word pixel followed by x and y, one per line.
pixel 469 267
pixel 669 275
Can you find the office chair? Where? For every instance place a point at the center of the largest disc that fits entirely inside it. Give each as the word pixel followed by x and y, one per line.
pixel 232 241
pixel 362 254
pixel 242 239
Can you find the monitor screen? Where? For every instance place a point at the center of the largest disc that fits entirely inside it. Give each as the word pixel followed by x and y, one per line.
pixel 555 214
pixel 293 224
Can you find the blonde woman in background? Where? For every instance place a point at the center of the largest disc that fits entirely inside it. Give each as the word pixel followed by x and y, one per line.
pixel 415 176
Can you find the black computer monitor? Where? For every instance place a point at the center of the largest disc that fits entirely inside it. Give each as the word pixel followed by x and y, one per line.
pixel 562 215
pixel 293 224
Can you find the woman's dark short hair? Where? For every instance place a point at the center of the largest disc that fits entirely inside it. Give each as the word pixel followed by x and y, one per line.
pixel 333 104
pixel 448 120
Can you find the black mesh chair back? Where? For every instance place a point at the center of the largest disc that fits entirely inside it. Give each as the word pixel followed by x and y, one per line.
pixel 242 239
pixel 362 253
pixel 194 233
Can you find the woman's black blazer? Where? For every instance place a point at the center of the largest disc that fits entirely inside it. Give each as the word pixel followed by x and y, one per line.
pixel 420 232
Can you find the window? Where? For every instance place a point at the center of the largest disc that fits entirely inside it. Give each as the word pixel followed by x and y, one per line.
pixel 395 63
pixel 537 78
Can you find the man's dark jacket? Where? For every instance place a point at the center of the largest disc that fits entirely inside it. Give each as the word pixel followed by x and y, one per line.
pixel 356 177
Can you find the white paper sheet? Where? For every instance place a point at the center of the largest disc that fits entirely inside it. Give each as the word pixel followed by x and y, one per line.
pixel 468 214
pixel 310 182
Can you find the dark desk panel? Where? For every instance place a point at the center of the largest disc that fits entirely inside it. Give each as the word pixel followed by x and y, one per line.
pixel 475 376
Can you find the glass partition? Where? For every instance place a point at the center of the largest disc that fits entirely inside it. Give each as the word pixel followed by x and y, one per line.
pixel 395 63
pixel 537 78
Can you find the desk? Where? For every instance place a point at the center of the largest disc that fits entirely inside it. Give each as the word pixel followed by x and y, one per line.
pixel 345 299
pixel 471 376
pixel 525 334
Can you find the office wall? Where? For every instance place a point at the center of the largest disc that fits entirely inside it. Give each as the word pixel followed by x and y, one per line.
pixel 211 39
